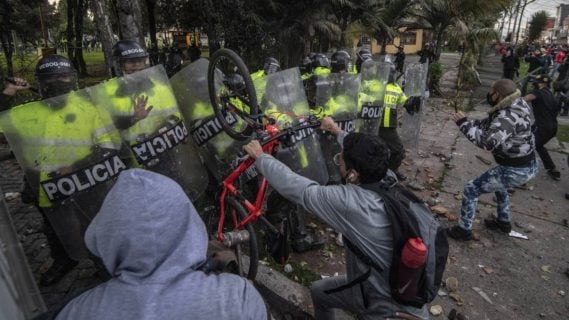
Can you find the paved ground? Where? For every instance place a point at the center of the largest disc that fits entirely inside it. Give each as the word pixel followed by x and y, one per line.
pixel 524 279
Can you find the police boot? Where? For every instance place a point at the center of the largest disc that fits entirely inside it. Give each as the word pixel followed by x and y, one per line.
pixel 57 271
pixel 306 242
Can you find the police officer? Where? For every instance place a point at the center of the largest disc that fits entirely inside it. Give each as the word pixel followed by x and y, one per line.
pixel 57 139
pixel 400 59
pixel 259 79
pixel 392 100
pixel 320 65
pixel 362 56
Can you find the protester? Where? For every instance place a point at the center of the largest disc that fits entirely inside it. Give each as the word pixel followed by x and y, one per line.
pixel 357 213
pixel 153 243
pixel 507 132
pixel 545 109
pixel 511 64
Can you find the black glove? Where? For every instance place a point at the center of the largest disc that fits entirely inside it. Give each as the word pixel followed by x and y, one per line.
pixel 413 105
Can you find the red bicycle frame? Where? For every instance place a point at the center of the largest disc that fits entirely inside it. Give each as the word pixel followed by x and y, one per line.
pixel 230 189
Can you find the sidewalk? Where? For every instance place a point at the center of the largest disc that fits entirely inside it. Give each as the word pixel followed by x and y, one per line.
pixel 522 279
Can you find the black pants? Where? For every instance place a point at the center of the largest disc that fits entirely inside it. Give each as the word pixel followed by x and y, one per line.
pixel 542 136
pixel 391 138
pixel 509 73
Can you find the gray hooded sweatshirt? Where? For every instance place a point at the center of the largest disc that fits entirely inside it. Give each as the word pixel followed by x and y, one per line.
pixel 150 238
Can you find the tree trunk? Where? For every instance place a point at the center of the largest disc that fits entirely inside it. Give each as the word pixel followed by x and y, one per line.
pixel 70 35
pixel 150 6
pixel 130 18
pixel 438 44
pixel 78 24
pixel 6 37
pixel 102 13
pixel 516 18
pixel 526 2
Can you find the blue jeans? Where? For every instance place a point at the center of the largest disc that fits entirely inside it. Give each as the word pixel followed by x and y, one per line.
pixel 498 180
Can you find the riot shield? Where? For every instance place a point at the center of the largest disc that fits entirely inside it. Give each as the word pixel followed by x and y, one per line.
pixel 285 101
pixel 372 91
pixel 415 86
pixel 69 152
pixel 342 106
pixel 19 295
pixel 158 141
pixel 217 149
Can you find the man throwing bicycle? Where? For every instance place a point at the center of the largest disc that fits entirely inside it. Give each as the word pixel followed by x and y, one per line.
pixel 357 213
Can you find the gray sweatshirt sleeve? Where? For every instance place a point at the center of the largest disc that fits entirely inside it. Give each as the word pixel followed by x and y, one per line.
pixel 327 202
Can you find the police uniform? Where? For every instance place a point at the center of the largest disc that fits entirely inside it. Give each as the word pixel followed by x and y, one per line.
pixel 394 98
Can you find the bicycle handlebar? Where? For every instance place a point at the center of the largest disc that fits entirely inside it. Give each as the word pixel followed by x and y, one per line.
pixel 312 123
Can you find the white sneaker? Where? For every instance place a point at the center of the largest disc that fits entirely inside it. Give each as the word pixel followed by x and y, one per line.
pixel 339 240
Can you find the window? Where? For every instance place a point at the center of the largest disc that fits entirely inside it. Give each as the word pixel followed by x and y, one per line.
pixel 409 38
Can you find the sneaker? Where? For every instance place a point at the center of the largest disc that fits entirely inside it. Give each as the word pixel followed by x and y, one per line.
pixel 307 242
pixel 554 174
pixel 494 224
pixel 57 271
pixel 458 233
pixel 400 176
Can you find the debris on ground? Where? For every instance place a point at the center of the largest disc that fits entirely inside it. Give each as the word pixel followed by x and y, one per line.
pixel 436 310
pixel 546 268
pixel 515 234
pixel 456 297
pixel 442 293
pixel 288 268
pixel 451 284
pixel 455 315
pixel 482 294
pixel 439 210
pixel 561 293
pixel 11 196
pixel 484 160
pixel 414 185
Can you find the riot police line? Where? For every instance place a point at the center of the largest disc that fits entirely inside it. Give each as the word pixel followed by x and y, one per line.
pixel 180 138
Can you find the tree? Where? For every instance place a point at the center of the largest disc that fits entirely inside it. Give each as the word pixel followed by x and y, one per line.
pixel 102 15
pixel 75 14
pixel 130 20
pixel 536 25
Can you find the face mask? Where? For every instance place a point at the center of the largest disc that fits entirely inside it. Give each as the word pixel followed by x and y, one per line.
pixel 489 99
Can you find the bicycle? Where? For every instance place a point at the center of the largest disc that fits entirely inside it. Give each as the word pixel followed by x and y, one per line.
pixel 233 98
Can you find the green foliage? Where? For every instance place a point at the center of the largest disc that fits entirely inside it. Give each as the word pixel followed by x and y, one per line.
pixel 536 25
pixel 435 72
pixel 563 133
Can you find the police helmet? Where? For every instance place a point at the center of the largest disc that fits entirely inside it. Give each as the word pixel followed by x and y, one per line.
pixel 320 60
pixel 271 65
pixel 56 76
pixel 362 55
pixel 234 82
pixel 129 50
pixel 368 69
pixel 341 61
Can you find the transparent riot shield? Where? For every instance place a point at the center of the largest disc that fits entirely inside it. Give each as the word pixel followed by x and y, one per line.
pixel 372 91
pixel 20 298
pixel 159 140
pixel 217 149
pixel 415 87
pixel 342 106
pixel 69 152
pixel 286 103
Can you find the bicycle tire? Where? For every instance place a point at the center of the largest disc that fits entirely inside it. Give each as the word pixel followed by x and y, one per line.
pixel 219 107
pixel 252 245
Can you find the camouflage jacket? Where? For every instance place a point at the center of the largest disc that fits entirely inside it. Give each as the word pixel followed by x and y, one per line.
pixel 507 131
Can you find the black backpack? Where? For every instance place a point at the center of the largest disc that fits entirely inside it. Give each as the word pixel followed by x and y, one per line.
pixel 410 217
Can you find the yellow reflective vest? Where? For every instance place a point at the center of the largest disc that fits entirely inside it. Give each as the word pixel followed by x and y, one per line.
pixel 393 98
pixel 56 138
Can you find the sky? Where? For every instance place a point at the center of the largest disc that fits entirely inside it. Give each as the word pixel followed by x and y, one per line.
pixel 548 5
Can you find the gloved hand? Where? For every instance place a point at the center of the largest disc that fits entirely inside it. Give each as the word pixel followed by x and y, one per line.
pixel 413 105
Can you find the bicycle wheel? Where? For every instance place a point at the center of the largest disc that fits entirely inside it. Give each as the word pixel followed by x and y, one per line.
pixel 232 94
pixel 247 253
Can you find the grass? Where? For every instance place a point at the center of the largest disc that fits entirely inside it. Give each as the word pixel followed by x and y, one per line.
pixel 563 133
pixel 524 66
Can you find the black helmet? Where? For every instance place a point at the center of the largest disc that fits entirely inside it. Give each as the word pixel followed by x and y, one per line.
pixel 128 49
pixel 320 60
pixel 271 65
pixel 55 75
pixel 362 55
pixel 341 61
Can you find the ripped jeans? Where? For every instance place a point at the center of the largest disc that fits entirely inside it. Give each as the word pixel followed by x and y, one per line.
pixel 498 180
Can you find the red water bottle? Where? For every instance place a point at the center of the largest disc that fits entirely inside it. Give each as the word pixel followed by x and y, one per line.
pixel 413 258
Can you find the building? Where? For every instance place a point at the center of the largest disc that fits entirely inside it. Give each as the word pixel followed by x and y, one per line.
pixel 410 38
pixel 548 31
pixel 560 30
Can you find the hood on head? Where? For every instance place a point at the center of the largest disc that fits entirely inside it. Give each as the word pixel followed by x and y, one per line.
pixel 147 229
